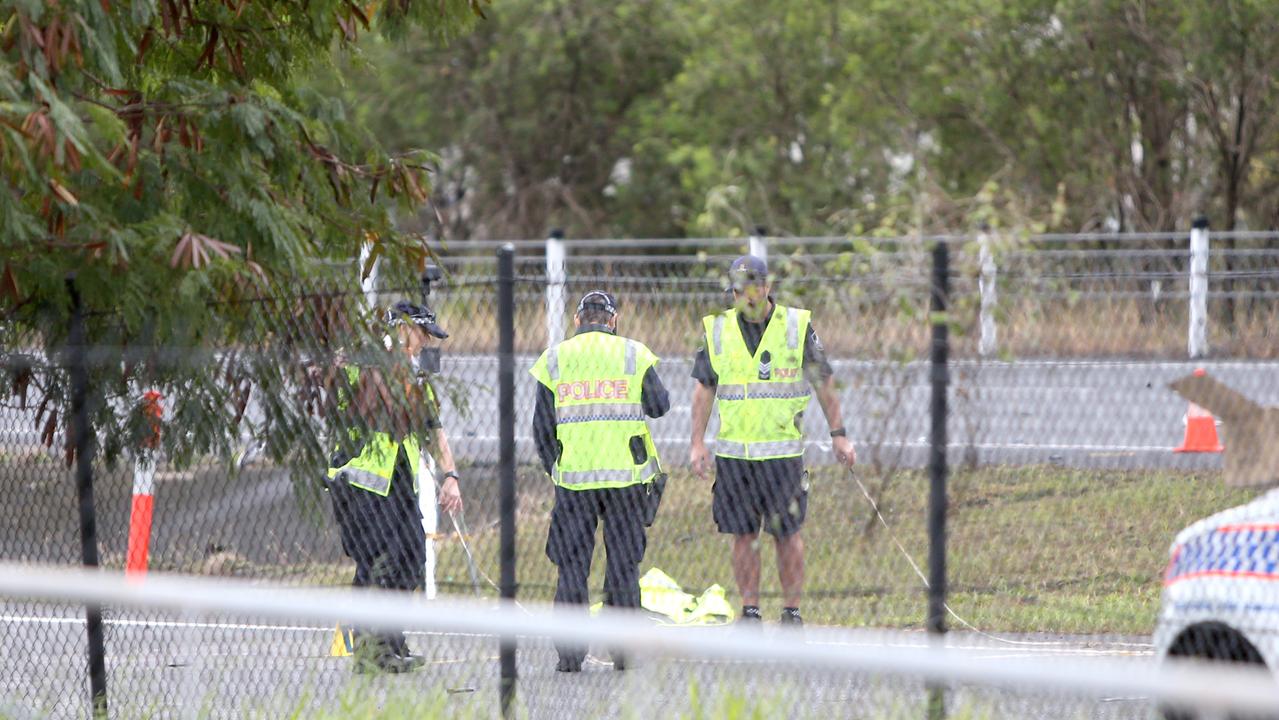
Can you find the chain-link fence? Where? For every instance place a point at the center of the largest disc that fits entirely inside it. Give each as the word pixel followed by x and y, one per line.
pixel 259 455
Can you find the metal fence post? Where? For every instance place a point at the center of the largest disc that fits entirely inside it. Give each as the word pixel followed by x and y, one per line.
pixel 989 343
pixel 757 245
pixel 556 276
pixel 506 460
pixel 82 439
pixel 938 365
pixel 1198 340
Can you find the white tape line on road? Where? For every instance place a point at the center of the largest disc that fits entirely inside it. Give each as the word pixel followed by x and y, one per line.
pixel 1119 650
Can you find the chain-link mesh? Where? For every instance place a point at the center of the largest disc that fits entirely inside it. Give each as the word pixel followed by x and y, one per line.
pixel 1065 492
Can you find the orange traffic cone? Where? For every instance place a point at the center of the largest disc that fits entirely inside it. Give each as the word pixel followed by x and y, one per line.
pixel 1201 429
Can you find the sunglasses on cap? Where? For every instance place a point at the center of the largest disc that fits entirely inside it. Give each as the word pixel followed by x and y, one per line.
pixel 598 300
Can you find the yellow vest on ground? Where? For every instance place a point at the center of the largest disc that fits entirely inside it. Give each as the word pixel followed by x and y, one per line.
pixel 760 403
pixel 374 468
pixel 660 594
pixel 597 380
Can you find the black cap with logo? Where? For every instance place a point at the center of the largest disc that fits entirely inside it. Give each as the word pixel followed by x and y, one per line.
pixel 419 315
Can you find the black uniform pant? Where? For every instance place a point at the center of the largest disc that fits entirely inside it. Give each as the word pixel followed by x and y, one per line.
pixel 571 543
pixel 384 536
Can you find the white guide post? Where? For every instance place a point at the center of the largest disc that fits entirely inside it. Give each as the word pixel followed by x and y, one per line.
pixel 556 276
pixel 989 343
pixel 758 243
pixel 368 284
pixel 426 502
pixel 1198 332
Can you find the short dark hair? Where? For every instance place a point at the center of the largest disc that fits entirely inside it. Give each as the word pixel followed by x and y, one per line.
pixel 594 316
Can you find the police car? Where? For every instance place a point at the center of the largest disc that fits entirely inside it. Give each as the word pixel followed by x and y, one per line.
pixel 1221 589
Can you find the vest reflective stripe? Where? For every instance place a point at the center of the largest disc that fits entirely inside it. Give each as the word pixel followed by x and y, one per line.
pixel 374 468
pixel 759 450
pixel 366 480
pixel 764 390
pixel 601 412
pixel 630 358
pixel 792 328
pixel 553 362
pixel 759 418
pixel 606 478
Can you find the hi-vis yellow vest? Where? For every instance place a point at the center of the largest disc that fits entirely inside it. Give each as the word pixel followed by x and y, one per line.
pixel 374 468
pixel 597 379
pixel 760 404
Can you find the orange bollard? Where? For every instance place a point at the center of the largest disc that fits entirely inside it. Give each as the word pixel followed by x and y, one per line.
pixel 135 563
pixel 1201 430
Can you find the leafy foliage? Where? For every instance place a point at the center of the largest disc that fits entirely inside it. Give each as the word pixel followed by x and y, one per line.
pixel 692 117
pixel 173 157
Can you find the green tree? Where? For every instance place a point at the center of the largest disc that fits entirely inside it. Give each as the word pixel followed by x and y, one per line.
pixel 174 158
pixel 533 113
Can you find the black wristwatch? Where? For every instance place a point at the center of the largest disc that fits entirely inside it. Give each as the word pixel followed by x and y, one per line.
pixel 452 474
pixel 839 432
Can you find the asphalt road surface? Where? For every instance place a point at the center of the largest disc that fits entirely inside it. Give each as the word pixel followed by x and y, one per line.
pixel 1117 414
pixel 1081 414
pixel 218 667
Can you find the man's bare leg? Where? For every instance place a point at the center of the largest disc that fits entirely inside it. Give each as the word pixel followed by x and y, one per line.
pixel 746 567
pixel 790 569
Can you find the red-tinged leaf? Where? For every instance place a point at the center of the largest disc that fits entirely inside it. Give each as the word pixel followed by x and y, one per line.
pixel 157 142
pixel 133 154
pixel 145 45
pixel 120 92
pixel 359 13
pixel 68 36
pixel 51 46
pixel 9 285
pixel 50 427
pixel 73 156
pixel 236 57
pixel 63 193
pixel 106 7
pixel 210 47
pixel 33 32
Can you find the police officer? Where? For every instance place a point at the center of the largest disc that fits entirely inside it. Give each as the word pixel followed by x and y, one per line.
pixel 374 472
pixel 761 361
pixel 595 389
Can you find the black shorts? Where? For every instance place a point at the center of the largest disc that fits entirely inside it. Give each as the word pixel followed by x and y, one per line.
pixel 749 494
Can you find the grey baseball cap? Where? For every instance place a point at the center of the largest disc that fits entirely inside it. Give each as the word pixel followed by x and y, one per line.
pixel 747 270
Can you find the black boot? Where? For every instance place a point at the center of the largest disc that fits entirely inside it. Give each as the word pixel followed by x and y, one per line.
pixel 569 663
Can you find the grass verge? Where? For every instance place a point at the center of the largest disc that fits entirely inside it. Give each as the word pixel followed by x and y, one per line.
pixel 1033 549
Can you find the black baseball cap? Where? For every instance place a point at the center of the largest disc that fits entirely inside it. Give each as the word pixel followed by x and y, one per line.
pixel 598 300
pixel 747 270
pixel 420 315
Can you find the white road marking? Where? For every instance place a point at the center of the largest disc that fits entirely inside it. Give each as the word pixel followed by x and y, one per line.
pixel 1063 649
